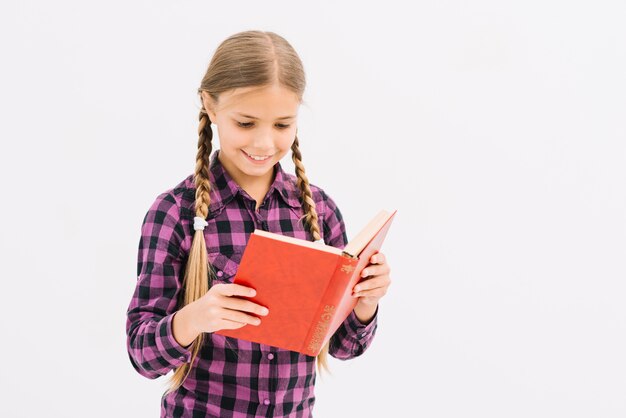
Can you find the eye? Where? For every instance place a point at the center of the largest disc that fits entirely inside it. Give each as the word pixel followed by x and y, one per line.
pixel 250 124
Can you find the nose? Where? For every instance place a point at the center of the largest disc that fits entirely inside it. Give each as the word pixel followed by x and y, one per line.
pixel 264 141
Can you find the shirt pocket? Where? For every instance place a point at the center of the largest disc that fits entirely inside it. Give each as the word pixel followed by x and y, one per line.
pixel 224 266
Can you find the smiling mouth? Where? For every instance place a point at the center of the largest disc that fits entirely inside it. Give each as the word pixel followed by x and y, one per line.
pixel 257 157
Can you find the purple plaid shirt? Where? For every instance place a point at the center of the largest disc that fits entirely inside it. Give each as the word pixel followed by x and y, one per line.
pixel 229 377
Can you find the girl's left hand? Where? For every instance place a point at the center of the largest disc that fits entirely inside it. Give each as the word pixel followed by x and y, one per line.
pixel 374 283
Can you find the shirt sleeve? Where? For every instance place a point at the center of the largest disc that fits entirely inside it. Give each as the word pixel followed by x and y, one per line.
pixel 352 337
pixel 152 348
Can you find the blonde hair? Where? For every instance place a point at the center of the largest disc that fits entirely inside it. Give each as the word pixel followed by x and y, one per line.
pixel 245 59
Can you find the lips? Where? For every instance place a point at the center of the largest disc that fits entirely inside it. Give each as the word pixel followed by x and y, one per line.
pixel 257 158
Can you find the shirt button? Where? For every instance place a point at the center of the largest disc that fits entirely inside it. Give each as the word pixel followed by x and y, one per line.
pixel 181 358
pixel 266 402
pixel 270 356
pixel 363 334
pixel 220 273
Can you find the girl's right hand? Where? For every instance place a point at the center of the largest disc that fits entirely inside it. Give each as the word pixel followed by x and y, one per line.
pixel 220 308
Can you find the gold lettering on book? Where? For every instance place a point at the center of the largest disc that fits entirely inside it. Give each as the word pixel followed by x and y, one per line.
pixel 321 327
pixel 347 268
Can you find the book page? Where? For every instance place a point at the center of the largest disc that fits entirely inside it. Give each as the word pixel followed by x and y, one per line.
pixel 356 245
pixel 297 241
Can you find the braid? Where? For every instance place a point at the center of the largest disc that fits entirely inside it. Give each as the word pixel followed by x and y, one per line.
pixel 308 205
pixel 203 187
pixel 195 283
pixel 307 199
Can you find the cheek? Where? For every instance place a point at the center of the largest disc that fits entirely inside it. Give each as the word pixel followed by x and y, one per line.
pixel 231 137
pixel 287 138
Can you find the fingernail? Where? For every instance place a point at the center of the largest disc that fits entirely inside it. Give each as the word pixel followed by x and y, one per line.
pixel 364 273
pixel 264 311
pixel 357 289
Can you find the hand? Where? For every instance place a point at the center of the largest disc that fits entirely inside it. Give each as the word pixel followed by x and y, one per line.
pixel 220 308
pixel 373 285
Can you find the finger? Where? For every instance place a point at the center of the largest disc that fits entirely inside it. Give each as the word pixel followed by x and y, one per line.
pixel 239 316
pixel 226 324
pixel 244 305
pixel 371 284
pixel 374 293
pixel 378 258
pixel 375 270
pixel 231 289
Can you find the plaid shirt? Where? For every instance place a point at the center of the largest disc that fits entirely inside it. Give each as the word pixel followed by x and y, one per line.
pixel 229 377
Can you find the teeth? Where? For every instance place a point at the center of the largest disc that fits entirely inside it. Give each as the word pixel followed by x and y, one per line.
pixel 258 158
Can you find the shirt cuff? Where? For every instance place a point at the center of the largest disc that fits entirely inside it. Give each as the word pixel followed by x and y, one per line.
pixel 360 329
pixel 167 345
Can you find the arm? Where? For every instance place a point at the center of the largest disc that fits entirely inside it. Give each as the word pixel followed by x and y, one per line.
pixel 353 336
pixel 152 348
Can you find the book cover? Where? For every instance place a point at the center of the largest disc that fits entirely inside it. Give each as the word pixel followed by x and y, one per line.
pixel 306 286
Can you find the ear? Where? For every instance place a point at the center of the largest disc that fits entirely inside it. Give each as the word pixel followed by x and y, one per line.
pixel 209 105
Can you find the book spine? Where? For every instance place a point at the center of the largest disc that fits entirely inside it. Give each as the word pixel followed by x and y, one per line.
pixel 327 309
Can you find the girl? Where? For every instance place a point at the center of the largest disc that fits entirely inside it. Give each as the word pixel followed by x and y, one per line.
pixel 194 234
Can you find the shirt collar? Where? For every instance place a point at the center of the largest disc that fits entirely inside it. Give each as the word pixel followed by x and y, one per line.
pixel 225 188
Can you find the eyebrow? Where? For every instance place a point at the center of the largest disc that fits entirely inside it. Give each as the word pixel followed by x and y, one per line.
pixel 252 117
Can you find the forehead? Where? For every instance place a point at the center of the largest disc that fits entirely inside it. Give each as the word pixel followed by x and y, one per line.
pixel 260 102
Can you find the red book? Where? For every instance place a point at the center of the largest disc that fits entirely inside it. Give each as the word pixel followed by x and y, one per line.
pixel 307 286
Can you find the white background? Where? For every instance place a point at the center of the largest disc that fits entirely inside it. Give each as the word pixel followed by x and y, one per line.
pixel 495 128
